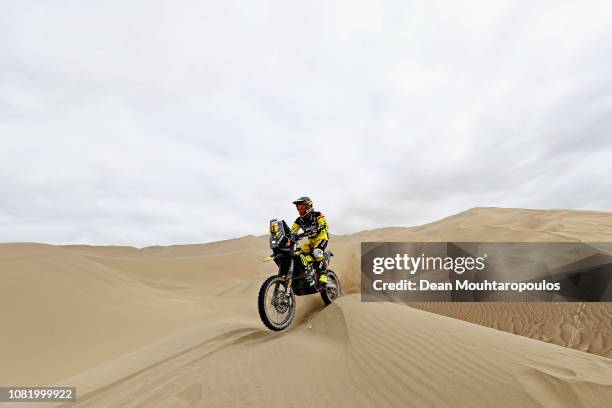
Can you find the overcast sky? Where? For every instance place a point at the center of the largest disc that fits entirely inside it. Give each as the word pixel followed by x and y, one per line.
pixel 154 122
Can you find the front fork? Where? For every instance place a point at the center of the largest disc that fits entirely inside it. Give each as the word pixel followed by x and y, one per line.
pixel 288 283
pixel 289 279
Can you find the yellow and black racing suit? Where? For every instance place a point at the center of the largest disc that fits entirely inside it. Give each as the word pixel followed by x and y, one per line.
pixel 315 227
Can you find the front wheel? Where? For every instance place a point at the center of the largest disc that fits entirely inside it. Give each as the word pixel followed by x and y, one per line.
pixel 332 290
pixel 276 303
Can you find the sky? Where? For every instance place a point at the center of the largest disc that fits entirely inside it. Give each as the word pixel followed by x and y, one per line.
pixel 162 122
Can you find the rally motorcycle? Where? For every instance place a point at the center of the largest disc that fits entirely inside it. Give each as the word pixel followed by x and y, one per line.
pixel 297 275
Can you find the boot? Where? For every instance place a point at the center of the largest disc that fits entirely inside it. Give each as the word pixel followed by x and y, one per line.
pixel 323 279
pixel 322 274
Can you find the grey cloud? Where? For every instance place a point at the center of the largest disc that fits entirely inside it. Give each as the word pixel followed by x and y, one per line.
pixel 150 123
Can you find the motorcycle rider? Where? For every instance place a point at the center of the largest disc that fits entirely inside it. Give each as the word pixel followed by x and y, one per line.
pixel 314 224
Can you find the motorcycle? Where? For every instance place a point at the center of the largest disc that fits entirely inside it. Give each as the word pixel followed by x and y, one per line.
pixel 297 276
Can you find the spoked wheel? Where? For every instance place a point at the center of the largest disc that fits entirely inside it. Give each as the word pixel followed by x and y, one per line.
pixel 276 308
pixel 332 290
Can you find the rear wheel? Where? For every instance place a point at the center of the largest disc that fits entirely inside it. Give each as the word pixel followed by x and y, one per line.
pixel 276 303
pixel 332 290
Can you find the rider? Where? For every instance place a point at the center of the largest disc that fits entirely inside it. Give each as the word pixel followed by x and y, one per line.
pixel 313 223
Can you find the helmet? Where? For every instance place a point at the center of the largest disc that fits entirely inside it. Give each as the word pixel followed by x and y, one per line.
pixel 304 205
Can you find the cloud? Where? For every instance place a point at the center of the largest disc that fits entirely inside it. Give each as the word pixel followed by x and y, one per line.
pixel 149 123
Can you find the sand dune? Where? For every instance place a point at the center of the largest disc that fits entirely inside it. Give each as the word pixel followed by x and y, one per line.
pixel 63 313
pixel 178 326
pixel 582 326
pixel 399 356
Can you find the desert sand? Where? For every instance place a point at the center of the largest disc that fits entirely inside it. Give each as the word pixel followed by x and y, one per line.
pixel 178 326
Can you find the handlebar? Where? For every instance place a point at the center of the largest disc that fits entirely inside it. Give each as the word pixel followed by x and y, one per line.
pixel 296 238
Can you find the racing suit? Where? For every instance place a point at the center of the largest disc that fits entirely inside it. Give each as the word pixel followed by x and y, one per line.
pixel 315 227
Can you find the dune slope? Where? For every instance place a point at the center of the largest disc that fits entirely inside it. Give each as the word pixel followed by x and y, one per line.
pixel 360 354
pixel 63 313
